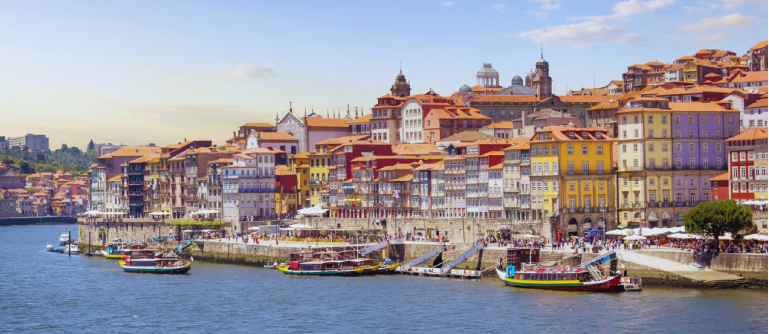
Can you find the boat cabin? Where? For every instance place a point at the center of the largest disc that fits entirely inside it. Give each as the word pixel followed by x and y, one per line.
pixel 517 256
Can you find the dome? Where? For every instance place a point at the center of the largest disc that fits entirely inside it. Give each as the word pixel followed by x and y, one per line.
pixel 487 70
pixel 465 89
pixel 517 81
pixel 542 61
pixel 401 76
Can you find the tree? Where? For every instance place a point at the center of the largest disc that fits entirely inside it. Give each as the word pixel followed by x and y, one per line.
pixel 91 145
pixel 24 165
pixel 717 217
pixel 64 147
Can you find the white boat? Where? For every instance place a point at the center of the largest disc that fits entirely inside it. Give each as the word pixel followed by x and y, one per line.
pixel 71 247
pixel 64 238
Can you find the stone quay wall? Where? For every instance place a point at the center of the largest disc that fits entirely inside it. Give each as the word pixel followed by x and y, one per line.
pixel 123 230
pixel 726 262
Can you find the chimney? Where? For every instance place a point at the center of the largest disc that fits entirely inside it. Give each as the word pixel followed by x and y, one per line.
pixel 523 121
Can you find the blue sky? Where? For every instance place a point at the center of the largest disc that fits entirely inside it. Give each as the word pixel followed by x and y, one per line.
pixel 148 71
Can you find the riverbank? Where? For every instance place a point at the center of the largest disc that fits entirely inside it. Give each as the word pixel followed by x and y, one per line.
pixel 37 220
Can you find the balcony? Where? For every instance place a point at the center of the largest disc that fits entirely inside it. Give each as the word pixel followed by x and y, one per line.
pixel 257 190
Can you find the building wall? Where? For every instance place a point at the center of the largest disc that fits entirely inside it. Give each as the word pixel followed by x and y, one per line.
pixel 294 126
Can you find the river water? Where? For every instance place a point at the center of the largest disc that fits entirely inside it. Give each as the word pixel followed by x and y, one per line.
pixel 53 293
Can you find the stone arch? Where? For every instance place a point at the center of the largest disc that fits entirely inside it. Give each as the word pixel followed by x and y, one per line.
pixel 572 227
pixel 679 218
pixel 587 223
pixel 600 224
pixel 667 219
pixel 653 220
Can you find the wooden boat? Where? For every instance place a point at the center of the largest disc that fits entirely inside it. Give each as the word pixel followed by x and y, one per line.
pixel 116 249
pixel 581 278
pixel 147 261
pixel 328 263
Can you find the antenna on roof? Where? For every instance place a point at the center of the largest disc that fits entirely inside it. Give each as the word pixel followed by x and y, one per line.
pixel 400 66
pixel 290 107
pixel 541 53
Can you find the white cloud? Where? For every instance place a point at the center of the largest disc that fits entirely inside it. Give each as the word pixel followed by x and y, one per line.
pixel 447 3
pixel 711 39
pixel 728 21
pixel 549 4
pixel 250 71
pixel 625 9
pixel 499 7
pixel 594 30
pixel 546 7
pixel 731 4
pixel 583 34
pixel 694 9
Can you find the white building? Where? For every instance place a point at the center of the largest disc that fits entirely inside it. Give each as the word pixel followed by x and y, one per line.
pixel 248 187
pixel 755 115
pixel 33 142
pixel 411 128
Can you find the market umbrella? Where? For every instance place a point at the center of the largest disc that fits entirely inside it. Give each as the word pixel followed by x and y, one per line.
pixel 635 237
pixel 593 231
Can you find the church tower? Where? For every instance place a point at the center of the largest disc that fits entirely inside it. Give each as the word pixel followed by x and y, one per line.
pixel 400 88
pixel 541 82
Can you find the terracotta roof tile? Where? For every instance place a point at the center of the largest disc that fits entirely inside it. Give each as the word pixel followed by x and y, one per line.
pixel 752 134
pixel 722 177
pixel 327 122
pixel 507 98
pixel 361 120
pixel 276 136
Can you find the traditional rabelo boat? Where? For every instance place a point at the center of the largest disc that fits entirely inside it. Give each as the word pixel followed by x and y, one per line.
pixel 116 249
pixel 148 261
pixel 524 271
pixel 328 263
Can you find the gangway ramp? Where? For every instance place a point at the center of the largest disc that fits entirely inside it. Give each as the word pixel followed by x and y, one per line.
pixel 373 248
pixel 183 246
pixel 599 260
pixel 421 259
pixel 478 246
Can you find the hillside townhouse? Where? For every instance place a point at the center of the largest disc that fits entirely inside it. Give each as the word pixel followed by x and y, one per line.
pixel 747 160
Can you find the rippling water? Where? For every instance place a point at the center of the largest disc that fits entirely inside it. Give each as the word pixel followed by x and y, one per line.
pixel 47 292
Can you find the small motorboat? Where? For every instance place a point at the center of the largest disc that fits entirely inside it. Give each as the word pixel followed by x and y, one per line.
pixel 271 266
pixel 50 248
pixel 64 238
pixel 71 248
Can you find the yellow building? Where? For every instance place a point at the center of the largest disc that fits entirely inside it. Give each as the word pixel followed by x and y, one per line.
pixel 320 161
pixel 582 197
pixel 300 164
pixel 285 198
pixel 544 179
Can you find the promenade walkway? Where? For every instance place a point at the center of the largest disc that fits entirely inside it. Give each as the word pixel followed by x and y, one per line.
pixel 676 268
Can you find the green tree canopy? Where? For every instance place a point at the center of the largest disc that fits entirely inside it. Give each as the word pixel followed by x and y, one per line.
pixel 718 217
pixel 90 145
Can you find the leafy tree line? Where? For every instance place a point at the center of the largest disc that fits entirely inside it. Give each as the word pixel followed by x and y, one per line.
pixel 66 159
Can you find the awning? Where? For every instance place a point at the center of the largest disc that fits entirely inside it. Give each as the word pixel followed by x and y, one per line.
pixel 622 226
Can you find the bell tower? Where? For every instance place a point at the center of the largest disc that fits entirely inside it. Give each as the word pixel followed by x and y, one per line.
pixel 401 87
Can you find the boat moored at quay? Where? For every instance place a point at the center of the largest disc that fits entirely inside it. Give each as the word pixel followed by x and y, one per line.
pixel 149 262
pixel 117 248
pixel 342 263
pixel 523 271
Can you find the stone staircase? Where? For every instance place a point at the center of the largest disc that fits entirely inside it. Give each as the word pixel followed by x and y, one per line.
pixel 552 259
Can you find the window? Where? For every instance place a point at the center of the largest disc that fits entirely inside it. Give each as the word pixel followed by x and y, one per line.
pixel 691 147
pixel 635 133
pixel 664 119
pixel 651 181
pixel 679 163
pixel 651 133
pixel 705 163
pixel 570 150
pixel 570 165
pixel 691 119
pixel 547 150
pixel 600 167
pixel 718 147
pixel 624 119
pixel 571 186
pixel 679 182
pixel 624 134
pixel 718 133
pixel 734 156
pixel 678 120
pixel 586 186
pixel 692 163
pixel 584 150
pixel 635 147
pixel 600 186
pixel 624 148
pixel 665 181
pixel 599 150
pixel 704 119
pixel 651 147
pixel 664 147
pixel 678 147
pixel 651 119
pixel 664 133
pixel 678 133
pixel 585 168
pixel 651 163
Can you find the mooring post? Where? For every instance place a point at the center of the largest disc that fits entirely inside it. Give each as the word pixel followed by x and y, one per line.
pixel 89 243
pixel 69 243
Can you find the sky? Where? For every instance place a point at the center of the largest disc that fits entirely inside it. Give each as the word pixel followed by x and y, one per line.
pixel 138 72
